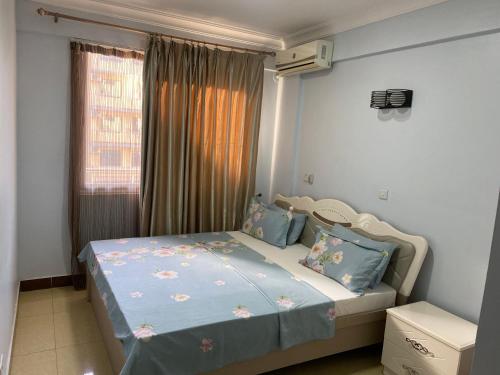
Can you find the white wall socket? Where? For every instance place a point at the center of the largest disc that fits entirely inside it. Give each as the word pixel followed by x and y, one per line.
pixel 309 178
pixel 383 194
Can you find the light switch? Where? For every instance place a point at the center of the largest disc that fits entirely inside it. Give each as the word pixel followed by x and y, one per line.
pixel 309 178
pixel 383 194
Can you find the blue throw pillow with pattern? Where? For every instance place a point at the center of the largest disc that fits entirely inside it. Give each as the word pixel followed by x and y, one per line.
pixel 296 225
pixel 266 224
pixel 386 248
pixel 345 260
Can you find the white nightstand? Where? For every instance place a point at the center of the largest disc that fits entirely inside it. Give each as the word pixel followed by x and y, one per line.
pixel 422 339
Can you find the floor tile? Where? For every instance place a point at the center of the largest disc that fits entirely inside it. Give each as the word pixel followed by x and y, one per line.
pixel 67 291
pixel 34 334
pixel 35 295
pixel 76 327
pixel 35 303
pixel 42 363
pixel 68 300
pixel 364 361
pixel 82 359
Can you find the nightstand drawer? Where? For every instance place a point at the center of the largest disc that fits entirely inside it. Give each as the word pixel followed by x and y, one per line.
pixel 425 350
pixel 401 362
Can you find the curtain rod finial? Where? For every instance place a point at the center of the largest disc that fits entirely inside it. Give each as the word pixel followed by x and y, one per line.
pixel 42 12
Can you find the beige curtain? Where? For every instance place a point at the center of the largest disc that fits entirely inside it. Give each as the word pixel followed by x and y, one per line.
pixel 201 117
pixel 105 146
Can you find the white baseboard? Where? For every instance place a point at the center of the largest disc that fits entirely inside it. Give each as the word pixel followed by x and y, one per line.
pixel 9 354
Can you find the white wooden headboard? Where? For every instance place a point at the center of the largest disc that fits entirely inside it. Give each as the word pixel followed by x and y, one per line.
pixel 338 211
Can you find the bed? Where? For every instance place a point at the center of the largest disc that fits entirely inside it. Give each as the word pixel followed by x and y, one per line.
pixel 358 320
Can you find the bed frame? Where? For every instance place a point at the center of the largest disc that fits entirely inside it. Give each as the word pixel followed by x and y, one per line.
pixel 352 331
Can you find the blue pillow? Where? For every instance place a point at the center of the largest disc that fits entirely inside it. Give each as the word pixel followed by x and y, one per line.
pixel 266 224
pixel 349 263
pixel 296 226
pixel 386 248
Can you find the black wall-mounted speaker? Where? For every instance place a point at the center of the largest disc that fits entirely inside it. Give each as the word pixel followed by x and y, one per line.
pixel 393 98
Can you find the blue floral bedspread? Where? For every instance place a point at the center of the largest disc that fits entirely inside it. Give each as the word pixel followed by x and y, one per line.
pixel 192 303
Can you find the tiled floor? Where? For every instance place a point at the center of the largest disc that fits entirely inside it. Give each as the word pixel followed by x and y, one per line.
pixel 57 334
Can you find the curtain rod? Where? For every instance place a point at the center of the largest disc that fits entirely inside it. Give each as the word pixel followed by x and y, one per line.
pixel 56 15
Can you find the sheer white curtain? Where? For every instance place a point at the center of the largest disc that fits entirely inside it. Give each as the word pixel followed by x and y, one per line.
pixel 105 150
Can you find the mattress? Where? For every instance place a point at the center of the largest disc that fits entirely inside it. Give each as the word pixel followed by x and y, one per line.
pixel 346 302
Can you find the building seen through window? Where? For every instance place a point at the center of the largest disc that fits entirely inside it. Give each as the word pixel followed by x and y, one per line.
pixel 113 124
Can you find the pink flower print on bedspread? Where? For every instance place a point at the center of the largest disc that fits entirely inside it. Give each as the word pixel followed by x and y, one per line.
pixel 285 302
pixel 199 248
pixel 331 313
pixel 114 254
pixel 165 274
pixel 206 345
pixel 242 312
pixel 217 244
pixel 140 250
pixel 144 332
pixel 182 249
pixel 180 297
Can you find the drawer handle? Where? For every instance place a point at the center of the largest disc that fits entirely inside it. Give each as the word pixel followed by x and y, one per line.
pixel 410 370
pixel 419 347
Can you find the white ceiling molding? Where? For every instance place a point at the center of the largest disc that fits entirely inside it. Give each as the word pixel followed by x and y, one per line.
pixel 175 23
pixel 344 17
pixel 349 22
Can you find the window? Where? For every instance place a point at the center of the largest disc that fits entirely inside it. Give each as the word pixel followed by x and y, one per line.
pixel 136 160
pixel 113 129
pixel 111 158
pixel 111 124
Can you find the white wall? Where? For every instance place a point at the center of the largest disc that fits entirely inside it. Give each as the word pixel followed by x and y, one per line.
pixel 43 118
pixel 447 20
pixel 266 135
pixel 440 160
pixel 43 139
pixel 286 140
pixel 8 266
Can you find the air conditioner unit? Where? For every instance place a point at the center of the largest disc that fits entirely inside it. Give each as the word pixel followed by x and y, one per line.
pixel 305 58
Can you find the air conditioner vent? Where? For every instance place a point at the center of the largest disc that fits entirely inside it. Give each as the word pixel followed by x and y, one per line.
pixel 305 58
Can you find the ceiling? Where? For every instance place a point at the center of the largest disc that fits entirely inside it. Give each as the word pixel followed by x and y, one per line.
pixel 265 23
pixel 283 17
